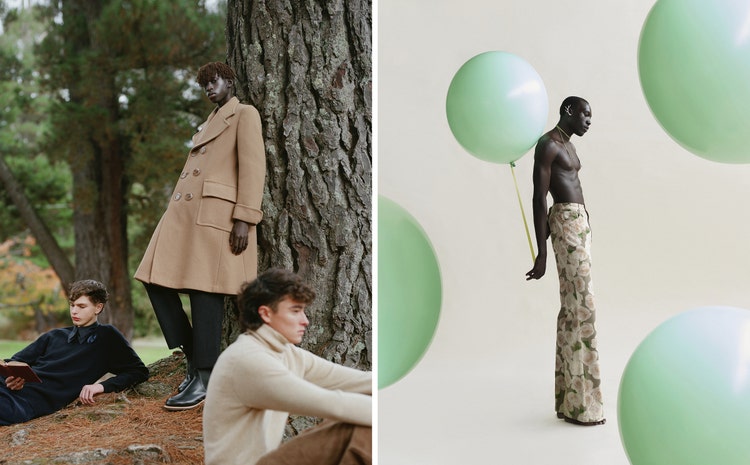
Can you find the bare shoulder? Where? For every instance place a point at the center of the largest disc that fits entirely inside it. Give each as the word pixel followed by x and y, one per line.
pixel 547 149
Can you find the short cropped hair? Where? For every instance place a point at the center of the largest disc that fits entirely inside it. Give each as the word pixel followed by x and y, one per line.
pixel 269 288
pixel 570 102
pixel 212 69
pixel 94 290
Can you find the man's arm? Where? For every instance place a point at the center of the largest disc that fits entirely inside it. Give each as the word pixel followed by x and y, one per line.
pixel 329 375
pixel 31 353
pixel 544 156
pixel 264 382
pixel 123 362
pixel 251 164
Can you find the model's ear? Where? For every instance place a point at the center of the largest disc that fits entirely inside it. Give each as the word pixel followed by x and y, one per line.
pixel 265 313
pixel 99 308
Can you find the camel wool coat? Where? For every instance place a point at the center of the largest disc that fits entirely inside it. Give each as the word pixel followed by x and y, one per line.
pixel 222 181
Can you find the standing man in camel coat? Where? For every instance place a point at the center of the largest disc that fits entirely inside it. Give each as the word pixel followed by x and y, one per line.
pixel 205 244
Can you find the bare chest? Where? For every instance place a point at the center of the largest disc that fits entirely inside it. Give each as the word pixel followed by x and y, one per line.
pixel 567 159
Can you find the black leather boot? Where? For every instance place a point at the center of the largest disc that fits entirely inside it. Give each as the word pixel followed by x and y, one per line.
pixel 204 375
pixel 192 396
pixel 190 373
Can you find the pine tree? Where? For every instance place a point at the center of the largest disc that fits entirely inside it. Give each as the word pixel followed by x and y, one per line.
pixel 126 104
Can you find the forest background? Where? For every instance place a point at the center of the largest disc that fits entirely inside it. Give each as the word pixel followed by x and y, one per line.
pixel 44 128
pixel 98 106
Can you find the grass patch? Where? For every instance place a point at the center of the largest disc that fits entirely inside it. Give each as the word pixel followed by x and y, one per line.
pixel 148 349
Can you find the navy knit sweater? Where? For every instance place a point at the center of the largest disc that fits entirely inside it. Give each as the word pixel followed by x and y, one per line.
pixel 65 364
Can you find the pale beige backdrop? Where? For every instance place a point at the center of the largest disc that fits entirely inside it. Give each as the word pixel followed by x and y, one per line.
pixel 669 228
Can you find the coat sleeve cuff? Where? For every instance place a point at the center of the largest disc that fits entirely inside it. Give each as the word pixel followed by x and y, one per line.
pixel 247 214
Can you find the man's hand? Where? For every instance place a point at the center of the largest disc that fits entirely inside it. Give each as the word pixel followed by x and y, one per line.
pixel 14 383
pixel 238 237
pixel 540 266
pixel 89 391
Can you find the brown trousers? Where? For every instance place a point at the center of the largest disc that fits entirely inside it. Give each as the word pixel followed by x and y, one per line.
pixel 329 443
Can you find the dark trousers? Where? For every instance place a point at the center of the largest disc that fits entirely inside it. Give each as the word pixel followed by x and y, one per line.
pixel 200 341
pixel 12 408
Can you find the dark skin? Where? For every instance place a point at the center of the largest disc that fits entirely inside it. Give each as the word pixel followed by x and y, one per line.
pixel 556 166
pixel 219 91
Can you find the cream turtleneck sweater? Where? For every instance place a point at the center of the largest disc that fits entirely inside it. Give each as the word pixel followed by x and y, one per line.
pixel 259 380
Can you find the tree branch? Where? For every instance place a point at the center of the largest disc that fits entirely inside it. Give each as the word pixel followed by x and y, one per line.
pixel 49 245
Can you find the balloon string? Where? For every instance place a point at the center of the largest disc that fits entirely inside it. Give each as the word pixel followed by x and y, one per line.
pixel 523 215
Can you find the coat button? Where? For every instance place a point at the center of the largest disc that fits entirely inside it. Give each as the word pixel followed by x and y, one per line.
pixel 188 196
pixel 203 149
pixel 197 172
pixel 177 196
pixel 183 175
pixel 193 153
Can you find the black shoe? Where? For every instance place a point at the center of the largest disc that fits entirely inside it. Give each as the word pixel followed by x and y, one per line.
pixel 185 382
pixel 192 396
pixel 189 375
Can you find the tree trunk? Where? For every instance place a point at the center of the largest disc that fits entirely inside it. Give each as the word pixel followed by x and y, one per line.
pixel 99 181
pixel 55 255
pixel 306 66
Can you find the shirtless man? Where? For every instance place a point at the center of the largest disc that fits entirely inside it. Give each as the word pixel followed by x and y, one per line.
pixel 578 397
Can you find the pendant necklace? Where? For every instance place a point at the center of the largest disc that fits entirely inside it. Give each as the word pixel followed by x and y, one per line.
pixel 565 146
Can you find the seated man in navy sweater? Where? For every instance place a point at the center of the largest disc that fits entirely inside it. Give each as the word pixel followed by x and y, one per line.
pixel 71 360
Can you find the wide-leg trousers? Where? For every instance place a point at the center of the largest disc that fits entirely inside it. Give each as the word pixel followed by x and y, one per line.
pixel 578 394
pixel 330 443
pixel 201 339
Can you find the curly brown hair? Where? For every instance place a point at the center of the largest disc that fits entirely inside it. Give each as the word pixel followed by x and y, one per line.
pixel 94 290
pixel 212 69
pixel 269 288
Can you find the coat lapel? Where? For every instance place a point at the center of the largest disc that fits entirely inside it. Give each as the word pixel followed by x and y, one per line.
pixel 217 124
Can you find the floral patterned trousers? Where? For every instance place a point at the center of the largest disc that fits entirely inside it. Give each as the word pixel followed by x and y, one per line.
pixel 577 377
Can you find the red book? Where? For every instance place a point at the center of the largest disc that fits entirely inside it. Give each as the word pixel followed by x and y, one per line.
pixel 19 370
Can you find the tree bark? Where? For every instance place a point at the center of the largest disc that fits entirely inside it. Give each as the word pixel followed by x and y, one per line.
pixel 306 66
pixel 55 255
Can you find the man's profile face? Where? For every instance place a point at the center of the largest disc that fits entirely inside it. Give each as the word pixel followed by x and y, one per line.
pixel 218 90
pixel 84 312
pixel 581 118
pixel 289 319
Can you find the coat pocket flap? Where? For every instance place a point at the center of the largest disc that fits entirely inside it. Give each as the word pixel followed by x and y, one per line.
pixel 219 190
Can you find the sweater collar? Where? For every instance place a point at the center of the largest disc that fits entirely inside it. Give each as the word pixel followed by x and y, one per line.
pixel 83 334
pixel 274 339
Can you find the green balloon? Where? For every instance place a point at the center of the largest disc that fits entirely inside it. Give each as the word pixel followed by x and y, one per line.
pixel 684 396
pixel 497 106
pixel 409 292
pixel 694 67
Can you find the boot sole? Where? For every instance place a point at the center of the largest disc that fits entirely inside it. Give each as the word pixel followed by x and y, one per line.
pixel 176 408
